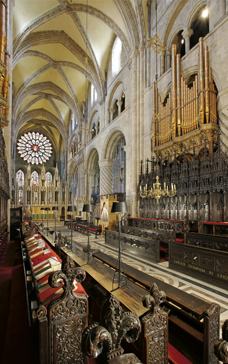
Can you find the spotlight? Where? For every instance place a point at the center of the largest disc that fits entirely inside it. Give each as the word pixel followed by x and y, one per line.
pixel 205 13
pixel 182 41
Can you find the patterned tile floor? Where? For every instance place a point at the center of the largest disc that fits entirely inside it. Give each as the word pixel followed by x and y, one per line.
pixel 193 286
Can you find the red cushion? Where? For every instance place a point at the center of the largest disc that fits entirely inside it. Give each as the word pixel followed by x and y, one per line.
pixel 175 357
pixel 179 240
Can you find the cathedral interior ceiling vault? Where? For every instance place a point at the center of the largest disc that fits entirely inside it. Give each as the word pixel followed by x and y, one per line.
pixel 52 41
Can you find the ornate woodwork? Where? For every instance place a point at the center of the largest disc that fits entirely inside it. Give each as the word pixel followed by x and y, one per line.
pixel 145 247
pixel 105 337
pixel 221 346
pixel 63 322
pixel 208 264
pixel 155 328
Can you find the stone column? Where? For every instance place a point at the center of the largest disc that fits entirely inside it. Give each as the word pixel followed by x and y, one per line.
pixel 105 176
pixel 134 132
pixel 119 106
pixel 168 60
pixel 141 95
pixel 186 34
pixel 162 63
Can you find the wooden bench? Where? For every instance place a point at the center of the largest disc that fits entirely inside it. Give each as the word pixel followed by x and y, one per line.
pixel 192 312
pixel 146 248
pixel 216 242
pixel 210 265
pixel 214 227
pixel 82 227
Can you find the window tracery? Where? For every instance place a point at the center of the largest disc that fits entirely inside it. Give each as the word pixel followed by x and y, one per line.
pixel 34 148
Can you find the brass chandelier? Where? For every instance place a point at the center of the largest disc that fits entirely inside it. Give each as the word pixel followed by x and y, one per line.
pixel 157 192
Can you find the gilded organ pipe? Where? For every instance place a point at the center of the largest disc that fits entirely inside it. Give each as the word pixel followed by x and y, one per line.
pixel 174 92
pixel 201 83
pixel 179 119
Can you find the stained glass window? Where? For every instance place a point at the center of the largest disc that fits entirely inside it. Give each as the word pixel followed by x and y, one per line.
pixel 48 176
pixel 34 178
pixel 34 148
pixel 20 196
pixel 20 178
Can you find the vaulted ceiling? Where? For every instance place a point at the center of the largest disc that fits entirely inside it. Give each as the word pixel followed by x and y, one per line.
pixel 52 41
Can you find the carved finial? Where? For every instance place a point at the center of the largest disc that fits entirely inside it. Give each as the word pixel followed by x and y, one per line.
pixel 115 325
pixel 154 299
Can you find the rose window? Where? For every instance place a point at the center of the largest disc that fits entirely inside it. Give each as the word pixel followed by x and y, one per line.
pixel 34 148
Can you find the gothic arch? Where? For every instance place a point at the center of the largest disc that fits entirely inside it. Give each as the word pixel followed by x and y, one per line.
pixel 110 143
pixel 194 11
pixel 112 93
pixel 91 157
pixel 43 86
pixel 172 35
pixel 94 115
pixel 173 17
pixel 49 116
pixel 59 10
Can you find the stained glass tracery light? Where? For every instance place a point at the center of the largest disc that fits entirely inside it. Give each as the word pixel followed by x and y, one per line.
pixel 34 148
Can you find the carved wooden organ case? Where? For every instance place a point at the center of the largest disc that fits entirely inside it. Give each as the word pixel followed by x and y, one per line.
pixel 186 143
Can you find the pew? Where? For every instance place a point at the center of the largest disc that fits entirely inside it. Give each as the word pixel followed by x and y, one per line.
pixel 82 227
pixel 214 227
pixel 193 323
pixel 57 307
pixel 144 247
pixel 207 264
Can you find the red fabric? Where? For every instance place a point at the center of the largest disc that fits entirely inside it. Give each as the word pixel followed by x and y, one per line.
pixel 215 223
pixel 179 240
pixel 152 218
pixel 175 357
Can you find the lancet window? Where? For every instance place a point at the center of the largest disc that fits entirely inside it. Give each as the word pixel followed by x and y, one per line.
pixel 34 178
pixel 48 177
pixel 116 56
pixel 119 167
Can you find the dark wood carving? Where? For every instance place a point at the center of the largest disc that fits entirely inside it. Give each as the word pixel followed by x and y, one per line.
pixel 221 346
pixel 67 317
pixel 155 328
pixel 207 263
pixel 136 245
pixel 107 335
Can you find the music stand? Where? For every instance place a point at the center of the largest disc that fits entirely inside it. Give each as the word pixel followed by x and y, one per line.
pixel 88 208
pixel 55 208
pixel 119 208
pixel 71 209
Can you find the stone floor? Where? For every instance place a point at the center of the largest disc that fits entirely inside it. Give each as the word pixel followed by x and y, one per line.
pixel 196 287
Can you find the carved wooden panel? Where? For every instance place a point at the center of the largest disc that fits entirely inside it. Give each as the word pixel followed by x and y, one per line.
pixel 207 241
pixel 135 244
pixel 196 260
pixel 67 318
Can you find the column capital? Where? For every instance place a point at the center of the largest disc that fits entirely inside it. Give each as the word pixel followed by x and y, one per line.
pixel 187 33
pixel 105 163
